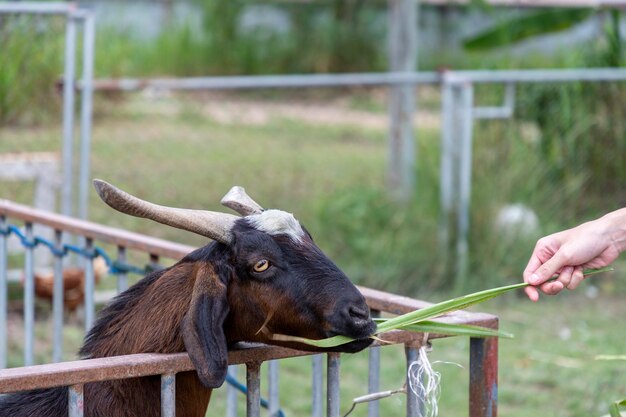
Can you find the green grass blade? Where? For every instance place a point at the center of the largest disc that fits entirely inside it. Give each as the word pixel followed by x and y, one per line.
pixel 588 272
pixel 427 326
pixel 321 343
pixel 410 320
pixel 446 307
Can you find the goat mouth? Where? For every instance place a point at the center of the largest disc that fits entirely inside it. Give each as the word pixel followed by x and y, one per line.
pixel 361 333
pixel 354 346
pixel 359 330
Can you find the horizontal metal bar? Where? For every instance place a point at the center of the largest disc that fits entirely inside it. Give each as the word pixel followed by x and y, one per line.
pixel 360 79
pixel 536 3
pixel 60 8
pixel 536 75
pixel 144 364
pixel 38 8
pixel 267 81
pixel 94 231
pixel 492 112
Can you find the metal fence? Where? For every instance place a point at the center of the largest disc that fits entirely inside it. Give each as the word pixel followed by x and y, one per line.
pixel 458 115
pixel 75 17
pixel 19 219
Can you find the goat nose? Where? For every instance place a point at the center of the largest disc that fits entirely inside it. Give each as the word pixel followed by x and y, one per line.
pixel 359 313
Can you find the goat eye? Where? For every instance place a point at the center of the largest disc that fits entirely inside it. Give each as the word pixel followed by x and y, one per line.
pixel 261 266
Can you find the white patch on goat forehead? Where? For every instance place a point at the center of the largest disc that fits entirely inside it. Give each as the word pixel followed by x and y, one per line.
pixel 277 222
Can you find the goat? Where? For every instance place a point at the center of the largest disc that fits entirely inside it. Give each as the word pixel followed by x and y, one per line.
pixel 262 275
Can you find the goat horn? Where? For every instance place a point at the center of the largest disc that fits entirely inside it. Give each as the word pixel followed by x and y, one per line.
pixel 211 224
pixel 238 200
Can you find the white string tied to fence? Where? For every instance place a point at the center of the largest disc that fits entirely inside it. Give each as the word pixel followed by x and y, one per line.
pixel 424 382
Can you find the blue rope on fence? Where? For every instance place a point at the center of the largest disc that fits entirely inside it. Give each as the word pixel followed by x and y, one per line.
pixel 115 267
pixel 244 390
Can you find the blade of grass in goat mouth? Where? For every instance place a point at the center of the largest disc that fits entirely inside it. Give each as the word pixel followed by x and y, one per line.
pixel 420 320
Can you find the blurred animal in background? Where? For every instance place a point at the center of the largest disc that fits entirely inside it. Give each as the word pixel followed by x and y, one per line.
pixel 73 283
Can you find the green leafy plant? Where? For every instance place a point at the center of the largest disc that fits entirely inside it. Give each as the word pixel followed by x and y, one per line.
pixel 29 69
pixel 420 320
pixel 520 28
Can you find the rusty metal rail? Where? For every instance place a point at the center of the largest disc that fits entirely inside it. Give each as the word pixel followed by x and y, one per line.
pixel 483 352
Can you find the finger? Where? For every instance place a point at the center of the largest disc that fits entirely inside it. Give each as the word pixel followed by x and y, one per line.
pixel 532 266
pixel 547 270
pixel 552 288
pixel 532 293
pixel 565 276
pixel 577 277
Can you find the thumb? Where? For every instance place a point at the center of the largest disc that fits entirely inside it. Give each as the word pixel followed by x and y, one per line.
pixel 548 269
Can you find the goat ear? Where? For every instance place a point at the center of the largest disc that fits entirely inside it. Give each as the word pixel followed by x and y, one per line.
pixel 202 327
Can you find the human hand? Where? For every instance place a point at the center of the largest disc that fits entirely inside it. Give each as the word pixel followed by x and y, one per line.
pixel 595 244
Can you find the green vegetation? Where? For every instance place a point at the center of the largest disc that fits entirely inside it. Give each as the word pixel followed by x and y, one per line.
pixel 176 150
pixel 518 29
pixel 561 155
pixel 332 175
pixel 32 56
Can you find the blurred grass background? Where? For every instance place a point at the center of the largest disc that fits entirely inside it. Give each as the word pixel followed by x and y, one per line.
pixel 322 155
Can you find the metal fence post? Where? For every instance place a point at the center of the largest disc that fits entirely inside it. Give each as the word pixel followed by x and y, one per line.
pixel 29 299
pixel 76 404
pixel 332 385
pixel 317 393
pixel 447 164
pixel 414 403
pixel 231 394
pixel 403 58
pixel 68 116
pixel 168 395
pixel 57 299
pixel 90 308
pixel 466 125
pixel 273 398
pixel 4 266
pixel 483 395
pixel 122 277
pixel 89 34
pixel 253 397
pixel 373 382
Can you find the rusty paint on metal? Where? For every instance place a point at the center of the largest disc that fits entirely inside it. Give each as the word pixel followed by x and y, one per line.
pixel 483 377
